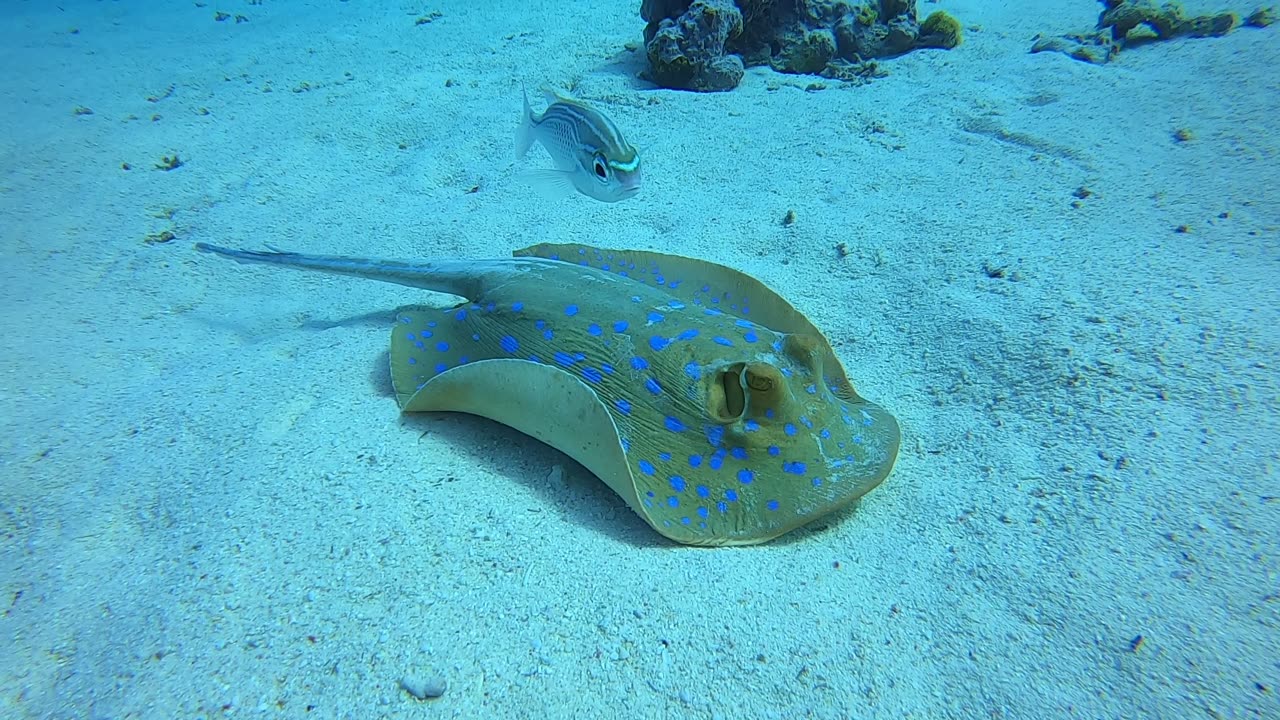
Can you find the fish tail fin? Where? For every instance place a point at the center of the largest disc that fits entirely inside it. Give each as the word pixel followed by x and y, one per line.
pixel 524 133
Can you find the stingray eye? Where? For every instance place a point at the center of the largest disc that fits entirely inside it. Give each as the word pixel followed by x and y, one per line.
pixel 727 401
pixel 602 171
pixel 759 383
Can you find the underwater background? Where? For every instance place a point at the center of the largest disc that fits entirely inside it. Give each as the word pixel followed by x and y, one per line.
pixel 1057 269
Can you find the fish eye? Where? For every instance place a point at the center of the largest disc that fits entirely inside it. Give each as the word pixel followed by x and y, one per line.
pixel 602 172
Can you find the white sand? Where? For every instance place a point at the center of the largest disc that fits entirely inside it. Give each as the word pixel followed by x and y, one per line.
pixel 211 507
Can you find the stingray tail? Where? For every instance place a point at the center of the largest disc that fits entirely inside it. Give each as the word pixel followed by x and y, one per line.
pixel 463 278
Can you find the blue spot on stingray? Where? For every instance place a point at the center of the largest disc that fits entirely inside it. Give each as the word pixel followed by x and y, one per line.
pixel 442 346
pixel 768 412
pixel 594 329
pixel 824 433
pixel 717 461
pixel 406 320
pixel 811 388
pixel 413 361
pixel 673 501
pixel 582 251
pixel 712 311
pixel 464 359
pixel 655 317
pixel 420 345
pixel 441 367
pixel 731 495
pixel 660 280
pixel 639 363
pixel 623 406
pixel 703 491
pixel 625 443
pixel 540 324
pixel 743 324
pixel 722 341
pixel 674 425
pixel 693 370
pixel 772 504
pixel 750 337
pixel 620 326
pixel 677 483
pixel 689 334
pixel 562 358
pixel 548 335
pixel 657 342
pixel 751 426
pixel 777 346
pixel 773 450
pixel 427 334
pixel 607 368
pixel 715 434
pixel 411 336
pixel 786 372
pixel 695 461
pixel 652 386
pixel 490 307
pixel 675 304
pixel 789 429
pixel 460 315
pixel 817 482
pixel 702 512
pixel 806 422
pixel 592 374
pixel 646 467
pixel 795 468
pixel 431 323
pixel 571 310
pixel 739 453
pixel 705 288
pixel 745 476
pixel 517 306
pixel 475 337
pixel 664 456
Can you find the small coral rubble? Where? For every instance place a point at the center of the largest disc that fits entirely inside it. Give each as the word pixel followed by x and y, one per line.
pixel 1129 23
pixel 705 45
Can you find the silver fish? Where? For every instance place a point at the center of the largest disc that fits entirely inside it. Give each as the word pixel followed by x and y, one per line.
pixel 588 150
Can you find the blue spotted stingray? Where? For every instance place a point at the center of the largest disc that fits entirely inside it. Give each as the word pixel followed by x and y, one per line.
pixel 703 398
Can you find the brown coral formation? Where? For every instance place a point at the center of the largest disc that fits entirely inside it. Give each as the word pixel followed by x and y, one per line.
pixel 705 45
pixel 1125 24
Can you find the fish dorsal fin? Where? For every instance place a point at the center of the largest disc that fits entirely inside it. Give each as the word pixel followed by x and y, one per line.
pixel 710 285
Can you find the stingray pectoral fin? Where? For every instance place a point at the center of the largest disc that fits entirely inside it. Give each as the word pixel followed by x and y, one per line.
pixel 712 285
pixel 541 401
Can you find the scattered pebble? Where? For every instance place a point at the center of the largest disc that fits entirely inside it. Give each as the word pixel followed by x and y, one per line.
pixel 424 689
pixel 556 476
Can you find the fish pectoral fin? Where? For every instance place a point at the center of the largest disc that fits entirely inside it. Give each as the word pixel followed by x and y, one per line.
pixel 553 184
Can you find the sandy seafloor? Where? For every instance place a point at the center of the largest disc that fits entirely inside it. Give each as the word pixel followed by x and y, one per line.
pixel 211 506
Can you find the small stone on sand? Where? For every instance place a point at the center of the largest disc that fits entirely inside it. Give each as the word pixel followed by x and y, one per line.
pixel 423 689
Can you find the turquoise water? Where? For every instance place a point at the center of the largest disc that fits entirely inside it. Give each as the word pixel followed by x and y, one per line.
pixel 1060 277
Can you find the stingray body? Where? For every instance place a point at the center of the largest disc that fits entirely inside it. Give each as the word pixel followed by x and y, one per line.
pixel 704 399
